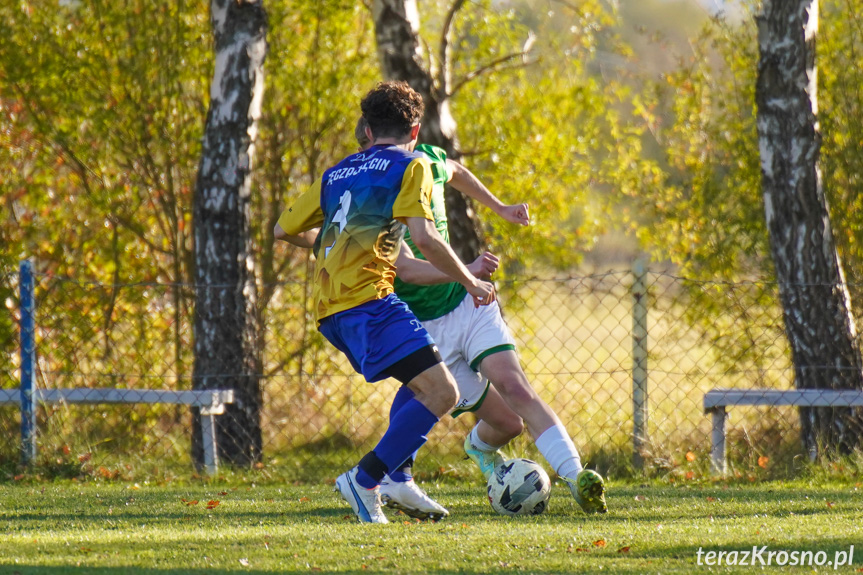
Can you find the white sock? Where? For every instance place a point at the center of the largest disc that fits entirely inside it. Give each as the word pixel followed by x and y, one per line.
pixel 558 449
pixel 479 443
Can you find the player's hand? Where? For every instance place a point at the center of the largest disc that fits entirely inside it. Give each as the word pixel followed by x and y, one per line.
pixel 483 266
pixel 517 214
pixel 483 293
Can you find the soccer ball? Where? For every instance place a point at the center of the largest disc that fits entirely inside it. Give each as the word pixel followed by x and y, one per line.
pixel 519 487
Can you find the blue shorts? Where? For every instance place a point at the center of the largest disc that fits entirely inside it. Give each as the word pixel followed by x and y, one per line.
pixel 375 335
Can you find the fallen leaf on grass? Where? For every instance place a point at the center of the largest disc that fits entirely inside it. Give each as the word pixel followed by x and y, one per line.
pixel 711 499
pixel 599 543
pixel 623 549
pixel 212 504
pixel 304 499
pixel 830 504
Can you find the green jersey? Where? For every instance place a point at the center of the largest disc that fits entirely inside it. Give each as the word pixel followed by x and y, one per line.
pixel 432 301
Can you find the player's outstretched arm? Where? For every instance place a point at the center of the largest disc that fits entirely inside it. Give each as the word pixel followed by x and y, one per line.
pixel 303 239
pixel 300 224
pixel 464 181
pixel 416 271
pixel 429 242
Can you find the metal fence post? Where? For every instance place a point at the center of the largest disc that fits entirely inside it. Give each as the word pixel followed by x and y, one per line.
pixel 28 362
pixel 639 362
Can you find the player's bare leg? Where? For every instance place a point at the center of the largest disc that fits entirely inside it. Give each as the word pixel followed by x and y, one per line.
pixel 497 426
pixel 504 371
pixel 436 389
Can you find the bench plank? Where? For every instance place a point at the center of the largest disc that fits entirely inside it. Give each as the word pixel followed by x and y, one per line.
pixel 196 398
pixel 772 397
pixel 716 400
pixel 211 402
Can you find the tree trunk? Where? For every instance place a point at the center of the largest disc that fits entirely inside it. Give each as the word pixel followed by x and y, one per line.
pixel 815 299
pixel 226 322
pixel 401 58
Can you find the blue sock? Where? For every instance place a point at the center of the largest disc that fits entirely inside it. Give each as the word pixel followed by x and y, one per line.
pixel 403 473
pixel 403 395
pixel 406 433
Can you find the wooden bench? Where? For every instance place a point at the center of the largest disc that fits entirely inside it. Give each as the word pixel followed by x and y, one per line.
pixel 716 401
pixel 211 402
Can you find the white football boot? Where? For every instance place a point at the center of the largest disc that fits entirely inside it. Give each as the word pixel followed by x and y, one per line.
pixel 366 503
pixel 406 496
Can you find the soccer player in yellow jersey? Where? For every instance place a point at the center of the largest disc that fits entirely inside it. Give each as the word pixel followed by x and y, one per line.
pixel 362 206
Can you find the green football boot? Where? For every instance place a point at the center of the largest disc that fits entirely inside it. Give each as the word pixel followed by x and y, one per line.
pixel 588 489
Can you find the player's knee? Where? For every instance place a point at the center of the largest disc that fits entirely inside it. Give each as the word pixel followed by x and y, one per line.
pixel 448 393
pixel 514 427
pixel 442 393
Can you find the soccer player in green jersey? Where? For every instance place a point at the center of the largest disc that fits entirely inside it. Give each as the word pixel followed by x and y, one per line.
pixel 478 348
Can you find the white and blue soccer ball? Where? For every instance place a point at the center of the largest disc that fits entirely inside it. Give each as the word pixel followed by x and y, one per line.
pixel 519 487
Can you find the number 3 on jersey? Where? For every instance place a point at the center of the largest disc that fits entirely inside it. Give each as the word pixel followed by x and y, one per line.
pixel 340 217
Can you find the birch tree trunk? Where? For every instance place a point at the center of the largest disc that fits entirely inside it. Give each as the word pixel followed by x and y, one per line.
pixel 401 57
pixel 814 295
pixel 226 323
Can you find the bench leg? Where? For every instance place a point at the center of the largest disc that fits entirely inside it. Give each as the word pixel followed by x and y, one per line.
pixel 717 437
pixel 208 433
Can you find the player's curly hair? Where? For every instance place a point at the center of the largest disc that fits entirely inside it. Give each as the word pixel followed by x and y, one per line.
pixel 392 109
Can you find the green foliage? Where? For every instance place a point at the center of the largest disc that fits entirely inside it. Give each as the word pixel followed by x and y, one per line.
pixel 706 214
pixel 544 127
pixel 840 58
pixel 103 110
pixel 703 210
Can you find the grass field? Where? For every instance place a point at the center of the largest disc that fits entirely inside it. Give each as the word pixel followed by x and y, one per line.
pixel 237 526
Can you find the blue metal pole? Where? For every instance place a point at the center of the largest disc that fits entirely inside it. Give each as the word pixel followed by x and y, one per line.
pixel 28 362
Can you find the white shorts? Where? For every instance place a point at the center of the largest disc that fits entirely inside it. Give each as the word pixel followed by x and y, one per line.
pixel 464 337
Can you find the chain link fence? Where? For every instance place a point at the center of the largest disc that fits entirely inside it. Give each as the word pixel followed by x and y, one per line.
pixel 576 343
